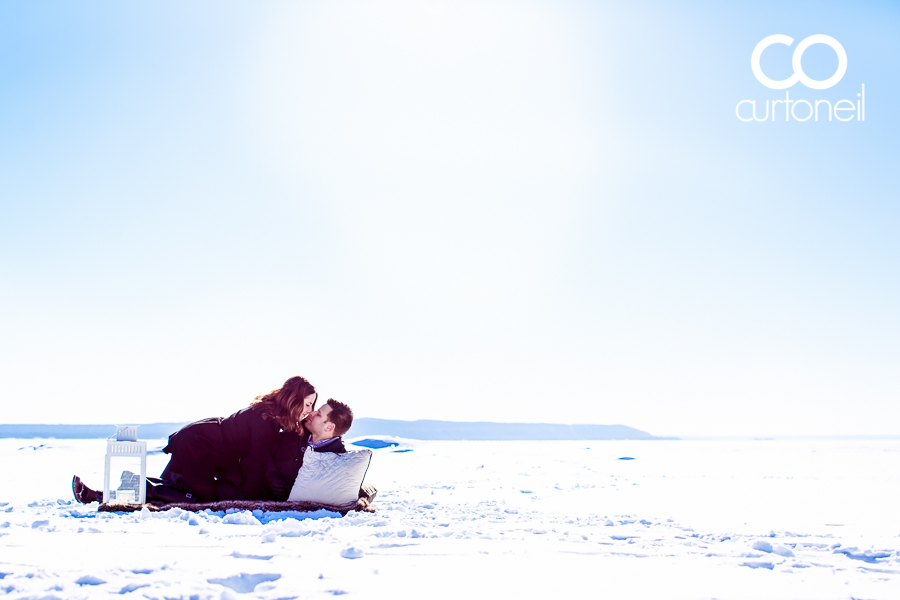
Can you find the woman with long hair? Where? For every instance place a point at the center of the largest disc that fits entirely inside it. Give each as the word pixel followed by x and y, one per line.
pixel 234 451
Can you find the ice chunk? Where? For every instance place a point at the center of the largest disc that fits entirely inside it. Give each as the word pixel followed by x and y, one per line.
pixel 241 518
pixel 783 551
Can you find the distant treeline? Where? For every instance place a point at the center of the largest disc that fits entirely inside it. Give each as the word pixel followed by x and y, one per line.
pixel 418 430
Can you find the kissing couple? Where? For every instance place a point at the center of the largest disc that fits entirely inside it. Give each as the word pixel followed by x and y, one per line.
pixel 255 454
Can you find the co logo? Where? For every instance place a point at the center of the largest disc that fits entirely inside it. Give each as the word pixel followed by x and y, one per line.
pixel 799 75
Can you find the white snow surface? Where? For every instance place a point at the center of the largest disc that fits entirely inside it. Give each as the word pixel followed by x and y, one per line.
pixel 683 519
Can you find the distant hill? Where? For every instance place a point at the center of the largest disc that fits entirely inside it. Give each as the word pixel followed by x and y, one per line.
pixel 418 430
pixel 459 430
pixel 150 431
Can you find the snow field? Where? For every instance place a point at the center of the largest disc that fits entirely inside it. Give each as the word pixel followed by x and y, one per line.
pixel 683 519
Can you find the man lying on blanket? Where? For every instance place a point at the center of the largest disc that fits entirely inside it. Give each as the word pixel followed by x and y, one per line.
pixel 323 429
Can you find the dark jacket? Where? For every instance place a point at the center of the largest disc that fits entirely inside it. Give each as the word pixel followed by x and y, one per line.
pixel 237 448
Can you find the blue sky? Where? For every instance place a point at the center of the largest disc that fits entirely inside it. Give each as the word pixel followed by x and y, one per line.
pixel 504 211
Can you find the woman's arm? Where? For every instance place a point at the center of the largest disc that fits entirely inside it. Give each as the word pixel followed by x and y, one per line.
pixel 285 463
pixel 262 434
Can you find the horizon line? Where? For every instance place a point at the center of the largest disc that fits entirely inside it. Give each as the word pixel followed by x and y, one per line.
pixel 653 437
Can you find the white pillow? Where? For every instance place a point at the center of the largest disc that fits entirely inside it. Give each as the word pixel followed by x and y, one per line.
pixel 329 478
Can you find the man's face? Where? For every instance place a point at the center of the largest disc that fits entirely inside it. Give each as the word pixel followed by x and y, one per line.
pixel 318 422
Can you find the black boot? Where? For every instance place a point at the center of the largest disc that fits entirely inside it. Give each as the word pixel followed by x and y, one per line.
pixel 83 493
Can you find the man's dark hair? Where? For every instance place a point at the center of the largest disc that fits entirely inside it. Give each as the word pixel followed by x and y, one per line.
pixel 340 415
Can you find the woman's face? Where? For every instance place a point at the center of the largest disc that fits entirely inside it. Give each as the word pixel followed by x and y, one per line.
pixel 309 403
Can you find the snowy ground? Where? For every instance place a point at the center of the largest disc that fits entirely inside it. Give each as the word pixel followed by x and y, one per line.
pixel 683 519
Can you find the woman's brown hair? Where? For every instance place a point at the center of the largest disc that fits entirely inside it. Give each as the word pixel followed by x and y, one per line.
pixel 285 405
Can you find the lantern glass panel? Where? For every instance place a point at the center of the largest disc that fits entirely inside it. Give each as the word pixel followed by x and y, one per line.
pixel 124 479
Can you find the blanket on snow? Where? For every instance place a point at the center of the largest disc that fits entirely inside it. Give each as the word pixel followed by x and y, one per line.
pixel 363 505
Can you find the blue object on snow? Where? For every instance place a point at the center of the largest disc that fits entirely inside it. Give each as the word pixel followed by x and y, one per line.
pixel 626 458
pixel 375 444
pixel 404 450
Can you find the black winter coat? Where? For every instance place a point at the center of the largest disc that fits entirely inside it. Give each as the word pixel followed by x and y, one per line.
pixel 237 448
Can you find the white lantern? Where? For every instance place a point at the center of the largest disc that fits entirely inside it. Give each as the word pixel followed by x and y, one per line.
pixel 124 455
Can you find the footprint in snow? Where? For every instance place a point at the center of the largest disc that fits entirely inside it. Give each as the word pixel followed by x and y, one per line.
pixel 245 582
pixel 89 580
pixel 237 554
pixel 869 556
pixel 754 564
